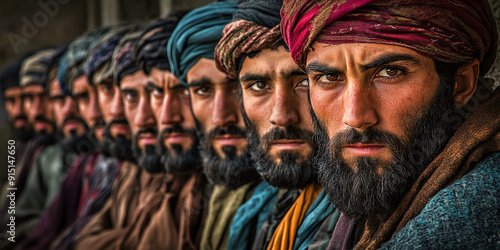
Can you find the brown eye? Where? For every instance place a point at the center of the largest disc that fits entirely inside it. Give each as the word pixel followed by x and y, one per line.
pixel 389 72
pixel 330 78
pixel 259 86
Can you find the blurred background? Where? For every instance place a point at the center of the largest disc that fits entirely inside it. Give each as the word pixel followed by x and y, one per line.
pixel 27 25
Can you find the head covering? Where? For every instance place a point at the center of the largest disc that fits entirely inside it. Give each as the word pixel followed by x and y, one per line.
pixel 258 30
pixel 98 66
pixel 33 68
pixel 123 60
pixel 54 61
pixel 151 50
pixel 196 36
pixel 77 52
pixel 451 31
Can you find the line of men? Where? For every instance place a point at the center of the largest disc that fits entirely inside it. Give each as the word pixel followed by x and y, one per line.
pixel 261 124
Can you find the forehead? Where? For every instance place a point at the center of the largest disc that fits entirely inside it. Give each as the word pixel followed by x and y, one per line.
pixel 163 78
pixel 33 89
pixel 206 69
pixel 136 80
pixel 350 54
pixel 55 87
pixel 81 84
pixel 12 91
pixel 272 62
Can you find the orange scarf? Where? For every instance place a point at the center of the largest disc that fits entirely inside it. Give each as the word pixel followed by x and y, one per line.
pixel 284 235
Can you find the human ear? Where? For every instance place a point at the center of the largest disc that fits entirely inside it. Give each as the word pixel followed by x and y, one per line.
pixel 466 83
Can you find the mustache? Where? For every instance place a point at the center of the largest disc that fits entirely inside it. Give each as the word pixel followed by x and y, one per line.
pixel 99 123
pixel 20 117
pixel 368 136
pixel 289 133
pixel 231 130
pixel 151 130
pixel 175 129
pixel 42 118
pixel 73 118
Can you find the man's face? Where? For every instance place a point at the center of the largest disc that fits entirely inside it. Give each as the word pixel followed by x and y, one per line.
pixel 136 100
pixel 378 118
pixel 214 99
pixel 117 136
pixel 177 139
pixel 86 98
pixel 274 91
pixel 39 111
pixel 18 121
pixel 66 113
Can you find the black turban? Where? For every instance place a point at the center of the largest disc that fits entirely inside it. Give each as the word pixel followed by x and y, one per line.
pixel 151 50
pixel 262 12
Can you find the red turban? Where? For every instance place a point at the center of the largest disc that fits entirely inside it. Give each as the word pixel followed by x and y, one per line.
pixel 242 37
pixel 455 31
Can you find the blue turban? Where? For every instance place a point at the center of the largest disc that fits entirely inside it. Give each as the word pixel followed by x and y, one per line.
pixel 196 35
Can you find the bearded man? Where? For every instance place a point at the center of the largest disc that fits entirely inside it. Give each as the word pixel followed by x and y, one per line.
pixel 408 128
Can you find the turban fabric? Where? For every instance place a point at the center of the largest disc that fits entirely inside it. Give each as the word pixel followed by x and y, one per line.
pixel 97 65
pixel 34 67
pixel 243 37
pixel 76 54
pixel 151 50
pixel 123 59
pixel 9 77
pixel 255 27
pixel 454 31
pixel 196 35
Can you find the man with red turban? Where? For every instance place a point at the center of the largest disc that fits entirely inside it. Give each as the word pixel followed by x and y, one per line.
pixel 408 129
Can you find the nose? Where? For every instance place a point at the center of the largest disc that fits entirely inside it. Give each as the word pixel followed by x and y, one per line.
pixel 145 117
pixel 18 107
pixel 284 112
pixel 359 106
pixel 225 109
pixel 117 110
pixel 171 110
pixel 37 106
pixel 94 111
pixel 70 107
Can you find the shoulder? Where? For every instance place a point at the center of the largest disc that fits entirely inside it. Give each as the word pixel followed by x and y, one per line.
pixel 464 215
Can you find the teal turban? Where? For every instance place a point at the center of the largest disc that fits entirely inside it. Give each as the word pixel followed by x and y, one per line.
pixel 196 36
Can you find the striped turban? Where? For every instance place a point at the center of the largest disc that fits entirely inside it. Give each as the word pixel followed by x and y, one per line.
pixel 151 50
pixel 97 65
pixel 196 35
pixel 453 31
pixel 34 67
pixel 76 54
pixel 123 59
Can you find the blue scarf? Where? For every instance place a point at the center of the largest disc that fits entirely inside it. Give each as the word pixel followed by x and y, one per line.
pixel 315 215
pixel 259 205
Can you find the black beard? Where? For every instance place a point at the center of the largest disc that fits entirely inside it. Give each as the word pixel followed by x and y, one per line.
pixel 120 147
pixel 75 143
pixel 291 172
pixel 366 194
pixel 147 158
pixel 23 134
pixel 178 160
pixel 232 171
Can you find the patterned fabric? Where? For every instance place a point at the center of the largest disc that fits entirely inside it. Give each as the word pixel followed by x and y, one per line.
pixel 324 233
pixel 464 215
pixel 123 60
pixel 151 49
pixel 242 37
pixel 222 207
pixel 250 216
pixel 196 35
pixel 477 137
pixel 448 30
pixel 34 67
pixel 285 234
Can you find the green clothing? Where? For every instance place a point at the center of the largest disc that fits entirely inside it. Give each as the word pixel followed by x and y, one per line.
pixel 222 208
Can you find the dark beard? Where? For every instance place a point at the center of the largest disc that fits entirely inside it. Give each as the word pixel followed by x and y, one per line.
pixel 177 160
pixel 147 158
pixel 23 134
pixel 290 172
pixel 366 194
pixel 43 137
pixel 75 143
pixel 232 171
pixel 120 147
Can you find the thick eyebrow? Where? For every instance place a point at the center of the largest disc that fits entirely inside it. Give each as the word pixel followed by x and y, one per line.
pixel 57 96
pixel 80 94
pixel 128 90
pixel 254 77
pixel 322 68
pixel 389 58
pixel 153 85
pixel 294 72
pixel 203 81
